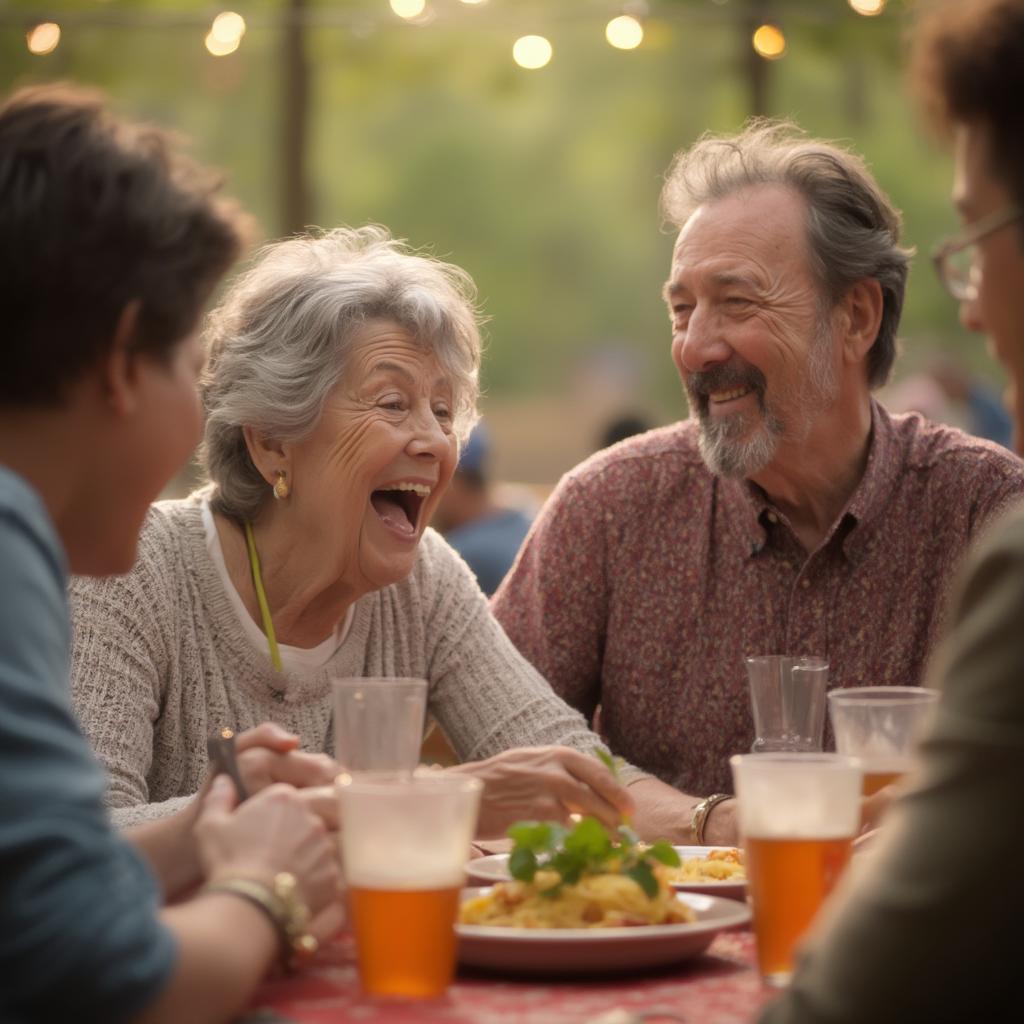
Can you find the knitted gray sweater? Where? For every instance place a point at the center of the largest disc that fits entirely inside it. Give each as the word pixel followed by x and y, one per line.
pixel 160 661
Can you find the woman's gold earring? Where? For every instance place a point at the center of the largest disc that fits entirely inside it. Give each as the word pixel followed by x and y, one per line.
pixel 281 488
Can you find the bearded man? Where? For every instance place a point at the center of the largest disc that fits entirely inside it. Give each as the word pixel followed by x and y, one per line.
pixel 791 514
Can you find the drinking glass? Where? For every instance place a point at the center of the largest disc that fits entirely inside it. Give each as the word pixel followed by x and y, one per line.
pixel 881 725
pixel 378 723
pixel 798 816
pixel 787 696
pixel 404 846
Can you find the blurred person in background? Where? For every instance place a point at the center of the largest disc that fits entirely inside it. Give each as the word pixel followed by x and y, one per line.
pixel 928 896
pixel 620 427
pixel 792 514
pixel 342 373
pixel 484 531
pixel 986 415
pixel 110 245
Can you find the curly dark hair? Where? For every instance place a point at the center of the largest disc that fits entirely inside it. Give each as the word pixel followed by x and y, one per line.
pixel 968 67
pixel 96 213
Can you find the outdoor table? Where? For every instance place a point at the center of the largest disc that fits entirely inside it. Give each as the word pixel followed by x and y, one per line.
pixel 721 986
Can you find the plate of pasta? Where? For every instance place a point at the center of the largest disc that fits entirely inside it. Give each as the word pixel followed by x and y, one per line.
pixel 711 870
pixel 593 948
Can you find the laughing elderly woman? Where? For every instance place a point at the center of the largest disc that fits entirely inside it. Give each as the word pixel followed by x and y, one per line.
pixel 342 373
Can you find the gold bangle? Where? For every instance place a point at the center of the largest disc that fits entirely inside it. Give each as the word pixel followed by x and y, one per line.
pixel 282 903
pixel 701 813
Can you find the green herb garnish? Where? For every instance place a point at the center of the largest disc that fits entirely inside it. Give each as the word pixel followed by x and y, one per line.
pixel 587 849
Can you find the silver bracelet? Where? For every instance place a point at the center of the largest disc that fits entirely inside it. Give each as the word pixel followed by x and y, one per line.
pixel 701 813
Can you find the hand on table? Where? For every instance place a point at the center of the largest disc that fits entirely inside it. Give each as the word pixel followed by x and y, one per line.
pixel 546 784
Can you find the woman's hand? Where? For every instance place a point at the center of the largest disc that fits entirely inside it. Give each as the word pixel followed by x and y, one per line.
pixel 269 754
pixel 274 831
pixel 546 784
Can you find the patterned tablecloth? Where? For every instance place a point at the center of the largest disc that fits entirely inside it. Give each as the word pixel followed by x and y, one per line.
pixel 719 987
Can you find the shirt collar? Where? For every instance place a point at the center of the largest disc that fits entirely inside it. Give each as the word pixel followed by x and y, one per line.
pixel 752 512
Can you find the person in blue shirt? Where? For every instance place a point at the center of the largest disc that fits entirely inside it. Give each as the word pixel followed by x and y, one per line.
pixel 484 531
pixel 110 245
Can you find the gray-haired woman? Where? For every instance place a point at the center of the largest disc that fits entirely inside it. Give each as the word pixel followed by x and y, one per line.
pixel 342 373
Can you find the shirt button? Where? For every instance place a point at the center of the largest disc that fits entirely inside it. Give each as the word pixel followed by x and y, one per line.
pixel 805 583
pixel 772 517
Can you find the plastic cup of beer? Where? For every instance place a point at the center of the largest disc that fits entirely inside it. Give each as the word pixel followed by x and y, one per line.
pixel 787 697
pixel 881 725
pixel 798 816
pixel 404 847
pixel 378 723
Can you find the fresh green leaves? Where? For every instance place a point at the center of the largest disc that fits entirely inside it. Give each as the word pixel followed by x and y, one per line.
pixel 585 849
pixel 613 764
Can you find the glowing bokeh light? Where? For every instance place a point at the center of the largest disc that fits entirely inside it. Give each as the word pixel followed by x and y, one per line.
pixel 408 9
pixel 43 39
pixel 228 27
pixel 221 47
pixel 769 42
pixel 624 32
pixel 869 8
pixel 531 52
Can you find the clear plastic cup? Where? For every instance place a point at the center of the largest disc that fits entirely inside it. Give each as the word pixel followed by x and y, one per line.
pixel 787 698
pixel 378 723
pixel 798 815
pixel 404 846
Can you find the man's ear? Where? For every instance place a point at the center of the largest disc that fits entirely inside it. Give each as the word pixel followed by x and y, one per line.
pixel 862 313
pixel 119 367
pixel 268 455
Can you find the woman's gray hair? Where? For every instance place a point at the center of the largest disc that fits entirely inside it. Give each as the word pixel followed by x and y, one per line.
pixel 853 229
pixel 279 342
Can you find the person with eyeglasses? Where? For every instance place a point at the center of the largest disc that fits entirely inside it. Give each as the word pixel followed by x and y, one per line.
pixel 927 929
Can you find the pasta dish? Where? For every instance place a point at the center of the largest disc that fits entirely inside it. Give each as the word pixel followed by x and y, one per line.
pixel 603 900
pixel 717 866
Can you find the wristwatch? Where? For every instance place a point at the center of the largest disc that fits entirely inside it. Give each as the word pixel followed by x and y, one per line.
pixel 701 812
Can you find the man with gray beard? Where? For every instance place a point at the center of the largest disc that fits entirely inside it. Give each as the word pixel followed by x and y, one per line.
pixel 791 514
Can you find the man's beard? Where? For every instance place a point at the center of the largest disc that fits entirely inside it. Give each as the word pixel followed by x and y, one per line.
pixel 733 446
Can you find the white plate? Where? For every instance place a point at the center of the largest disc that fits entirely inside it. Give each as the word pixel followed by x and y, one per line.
pixel 597 950
pixel 488 870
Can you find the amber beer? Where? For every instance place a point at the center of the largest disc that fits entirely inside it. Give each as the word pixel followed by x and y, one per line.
pixel 798 814
pixel 404 844
pixel 878 778
pixel 789 879
pixel 405 939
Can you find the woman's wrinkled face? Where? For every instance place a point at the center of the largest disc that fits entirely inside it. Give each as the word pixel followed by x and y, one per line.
pixel 366 482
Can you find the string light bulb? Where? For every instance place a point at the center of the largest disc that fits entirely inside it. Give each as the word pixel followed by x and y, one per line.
pixel 769 42
pixel 532 52
pixel 227 27
pixel 624 32
pixel 408 9
pixel 868 8
pixel 43 38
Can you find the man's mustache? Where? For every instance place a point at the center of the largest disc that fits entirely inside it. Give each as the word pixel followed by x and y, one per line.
pixel 724 378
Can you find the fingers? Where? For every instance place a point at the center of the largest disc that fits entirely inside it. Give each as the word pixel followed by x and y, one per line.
pixel 220 800
pixel 323 802
pixel 261 767
pixel 605 798
pixel 268 735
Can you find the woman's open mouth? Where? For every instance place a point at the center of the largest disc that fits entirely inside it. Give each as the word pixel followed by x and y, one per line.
pixel 398 505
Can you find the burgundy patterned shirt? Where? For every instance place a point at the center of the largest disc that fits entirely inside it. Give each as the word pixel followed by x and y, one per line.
pixel 646 580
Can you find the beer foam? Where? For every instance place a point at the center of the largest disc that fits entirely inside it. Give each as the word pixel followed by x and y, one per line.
pixel 404 869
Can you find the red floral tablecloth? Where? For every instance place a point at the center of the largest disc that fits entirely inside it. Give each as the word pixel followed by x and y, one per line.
pixel 720 987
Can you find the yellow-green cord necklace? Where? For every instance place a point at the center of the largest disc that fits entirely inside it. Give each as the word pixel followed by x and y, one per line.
pixel 261 597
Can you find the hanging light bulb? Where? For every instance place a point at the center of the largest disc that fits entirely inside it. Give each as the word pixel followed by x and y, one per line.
pixel 228 26
pixel 532 52
pixel 769 42
pixel 408 9
pixel 869 8
pixel 624 32
pixel 43 38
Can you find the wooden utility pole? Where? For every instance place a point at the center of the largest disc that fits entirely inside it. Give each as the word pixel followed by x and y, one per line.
pixel 756 68
pixel 295 203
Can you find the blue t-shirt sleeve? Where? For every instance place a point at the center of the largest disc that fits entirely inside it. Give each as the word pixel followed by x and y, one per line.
pixel 79 934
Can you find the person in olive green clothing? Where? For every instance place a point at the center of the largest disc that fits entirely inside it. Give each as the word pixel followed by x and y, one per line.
pixel 926 930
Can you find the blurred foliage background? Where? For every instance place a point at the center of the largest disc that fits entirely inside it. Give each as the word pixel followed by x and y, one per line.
pixel 542 183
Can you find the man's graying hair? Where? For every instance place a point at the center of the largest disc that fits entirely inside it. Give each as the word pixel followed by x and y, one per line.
pixel 852 227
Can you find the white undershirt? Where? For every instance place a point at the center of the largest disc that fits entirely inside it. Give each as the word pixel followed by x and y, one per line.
pixel 300 660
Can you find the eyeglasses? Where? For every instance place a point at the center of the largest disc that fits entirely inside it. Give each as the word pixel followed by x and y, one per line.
pixel 954 258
